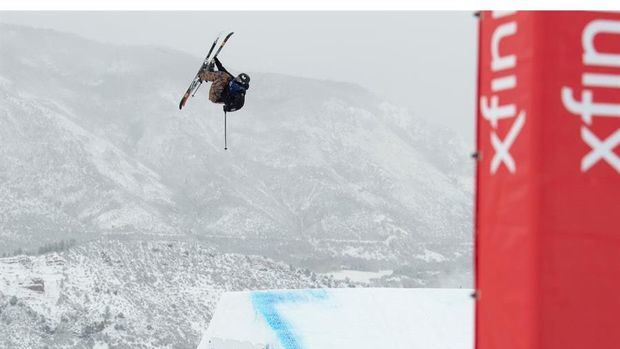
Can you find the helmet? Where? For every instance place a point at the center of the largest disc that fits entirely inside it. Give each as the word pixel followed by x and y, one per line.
pixel 243 79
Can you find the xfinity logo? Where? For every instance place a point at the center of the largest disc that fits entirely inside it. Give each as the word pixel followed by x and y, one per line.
pixel 503 66
pixel 602 150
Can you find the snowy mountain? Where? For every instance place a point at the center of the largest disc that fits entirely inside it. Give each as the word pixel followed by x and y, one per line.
pixel 320 174
pixel 128 294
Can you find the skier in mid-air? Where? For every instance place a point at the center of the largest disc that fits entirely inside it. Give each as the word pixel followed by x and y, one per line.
pixel 225 88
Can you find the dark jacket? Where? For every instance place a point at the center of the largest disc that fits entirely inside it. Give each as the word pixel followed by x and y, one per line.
pixel 234 95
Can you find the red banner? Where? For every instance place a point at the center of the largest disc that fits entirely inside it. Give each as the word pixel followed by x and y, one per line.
pixel 548 181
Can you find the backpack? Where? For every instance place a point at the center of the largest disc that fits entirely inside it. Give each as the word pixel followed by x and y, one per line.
pixel 235 97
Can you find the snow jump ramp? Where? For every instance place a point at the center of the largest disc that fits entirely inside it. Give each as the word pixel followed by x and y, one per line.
pixel 355 318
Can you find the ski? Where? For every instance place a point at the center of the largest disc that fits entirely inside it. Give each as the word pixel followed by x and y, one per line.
pixel 195 84
pixel 222 45
pixel 193 87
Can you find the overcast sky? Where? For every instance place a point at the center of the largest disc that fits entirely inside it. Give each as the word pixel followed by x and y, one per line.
pixel 425 61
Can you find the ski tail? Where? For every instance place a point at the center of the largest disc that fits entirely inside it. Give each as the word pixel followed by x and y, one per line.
pixel 221 46
pixel 183 100
pixel 213 46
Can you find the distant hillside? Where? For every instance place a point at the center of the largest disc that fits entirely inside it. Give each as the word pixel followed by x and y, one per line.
pixel 319 173
pixel 128 295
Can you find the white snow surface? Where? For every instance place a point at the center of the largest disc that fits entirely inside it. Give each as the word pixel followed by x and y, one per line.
pixel 357 318
pixel 359 275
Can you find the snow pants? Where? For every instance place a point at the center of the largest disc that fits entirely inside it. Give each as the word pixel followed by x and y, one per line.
pixel 219 83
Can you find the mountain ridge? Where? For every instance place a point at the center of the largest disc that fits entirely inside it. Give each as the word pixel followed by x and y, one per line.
pixel 323 170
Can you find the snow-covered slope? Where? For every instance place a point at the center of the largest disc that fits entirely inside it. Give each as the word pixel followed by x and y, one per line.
pixel 62 177
pixel 367 318
pixel 128 294
pixel 319 173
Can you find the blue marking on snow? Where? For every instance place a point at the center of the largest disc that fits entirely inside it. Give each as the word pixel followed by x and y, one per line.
pixel 266 303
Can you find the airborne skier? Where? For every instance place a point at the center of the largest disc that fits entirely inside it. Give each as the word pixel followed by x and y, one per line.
pixel 225 88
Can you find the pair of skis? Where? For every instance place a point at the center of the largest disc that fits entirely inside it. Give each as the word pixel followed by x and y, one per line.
pixel 195 85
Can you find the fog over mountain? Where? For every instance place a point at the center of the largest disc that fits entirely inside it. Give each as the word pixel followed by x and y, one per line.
pixel 320 175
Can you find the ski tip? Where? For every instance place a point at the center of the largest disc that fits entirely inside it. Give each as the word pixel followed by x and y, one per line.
pixel 183 101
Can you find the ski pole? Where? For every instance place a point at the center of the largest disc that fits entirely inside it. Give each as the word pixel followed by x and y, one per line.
pixel 225 142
